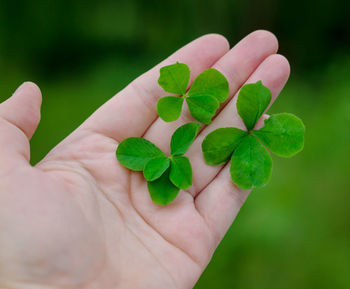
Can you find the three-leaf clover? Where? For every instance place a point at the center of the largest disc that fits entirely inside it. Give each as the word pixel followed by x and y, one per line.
pixel 208 90
pixel 251 163
pixel 165 175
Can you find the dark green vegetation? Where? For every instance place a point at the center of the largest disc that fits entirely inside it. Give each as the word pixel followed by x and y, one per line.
pixel 251 164
pixel 293 233
pixel 165 175
pixel 208 90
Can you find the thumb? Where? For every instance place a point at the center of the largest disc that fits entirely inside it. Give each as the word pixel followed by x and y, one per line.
pixel 19 118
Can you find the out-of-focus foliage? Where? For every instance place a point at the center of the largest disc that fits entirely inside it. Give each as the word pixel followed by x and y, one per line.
pixel 293 233
pixel 49 35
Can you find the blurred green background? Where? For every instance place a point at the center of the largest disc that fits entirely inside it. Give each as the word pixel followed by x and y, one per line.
pixel 295 232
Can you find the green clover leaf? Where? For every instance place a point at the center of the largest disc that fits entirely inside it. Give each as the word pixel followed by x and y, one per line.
pixel 202 107
pixel 135 152
pixel 282 134
pixel 208 90
pixel 219 145
pixel 169 108
pixel 210 82
pixel 162 190
pixel 183 137
pixel 174 78
pixel 181 172
pixel 253 99
pixel 165 175
pixel 251 164
pixel 154 168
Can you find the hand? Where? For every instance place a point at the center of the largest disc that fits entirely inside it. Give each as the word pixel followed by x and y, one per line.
pixel 78 219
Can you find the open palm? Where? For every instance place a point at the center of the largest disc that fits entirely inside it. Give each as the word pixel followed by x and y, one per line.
pixel 78 219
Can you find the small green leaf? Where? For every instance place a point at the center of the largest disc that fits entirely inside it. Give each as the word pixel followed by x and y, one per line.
pixel 219 145
pixel 181 172
pixel 251 164
pixel 174 78
pixel 202 107
pixel 283 134
pixel 169 108
pixel 162 190
pixel 183 137
pixel 210 82
pixel 253 99
pixel 135 152
pixel 154 168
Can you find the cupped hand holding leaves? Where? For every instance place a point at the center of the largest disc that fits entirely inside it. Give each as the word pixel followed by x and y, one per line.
pixel 79 219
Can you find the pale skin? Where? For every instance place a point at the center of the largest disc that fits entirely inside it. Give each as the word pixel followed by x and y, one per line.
pixel 78 219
